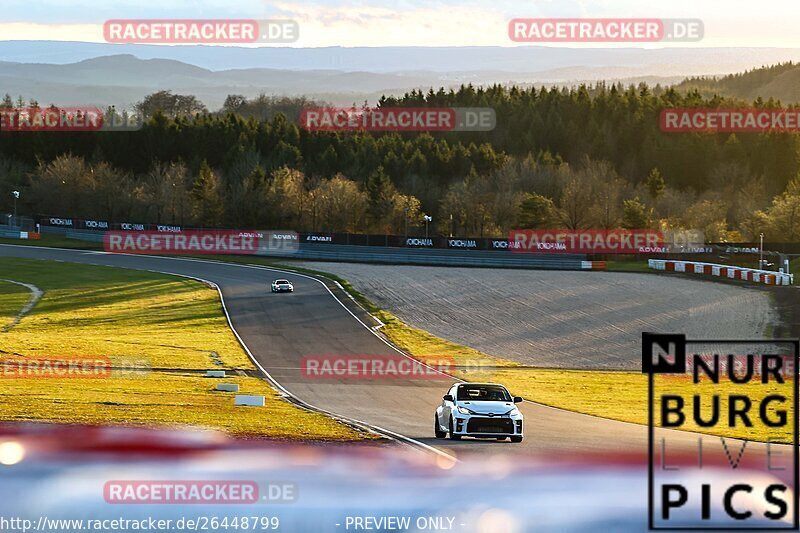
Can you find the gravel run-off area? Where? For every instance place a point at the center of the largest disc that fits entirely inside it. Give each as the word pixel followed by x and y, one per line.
pixel 586 320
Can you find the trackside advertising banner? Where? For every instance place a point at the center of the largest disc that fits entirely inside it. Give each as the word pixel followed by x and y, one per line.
pixel 199 242
pixel 587 241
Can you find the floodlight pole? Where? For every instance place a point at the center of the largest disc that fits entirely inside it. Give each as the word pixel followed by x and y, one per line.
pixel 15 194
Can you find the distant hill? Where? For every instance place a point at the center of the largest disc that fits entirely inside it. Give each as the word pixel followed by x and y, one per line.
pixel 74 73
pixel 630 62
pixel 780 82
pixel 124 79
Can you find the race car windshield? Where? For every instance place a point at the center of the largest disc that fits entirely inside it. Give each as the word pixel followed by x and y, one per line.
pixel 484 394
pixel 281 282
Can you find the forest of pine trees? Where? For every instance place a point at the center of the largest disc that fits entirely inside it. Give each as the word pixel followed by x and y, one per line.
pixel 591 156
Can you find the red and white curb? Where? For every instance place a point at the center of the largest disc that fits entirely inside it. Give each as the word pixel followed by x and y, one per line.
pixel 593 265
pixel 767 277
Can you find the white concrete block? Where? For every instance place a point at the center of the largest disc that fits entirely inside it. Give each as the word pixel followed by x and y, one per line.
pixel 228 387
pixel 254 401
pixel 215 373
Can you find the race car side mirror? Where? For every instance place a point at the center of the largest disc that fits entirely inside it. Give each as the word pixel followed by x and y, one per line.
pixel 448 398
pixel 517 399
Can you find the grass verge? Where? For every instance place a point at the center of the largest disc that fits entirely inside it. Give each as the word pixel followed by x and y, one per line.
pixel 55 241
pixel 13 298
pixel 169 328
pixel 637 265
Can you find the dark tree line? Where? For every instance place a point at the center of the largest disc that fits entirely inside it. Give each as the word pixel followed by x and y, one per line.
pixel 581 157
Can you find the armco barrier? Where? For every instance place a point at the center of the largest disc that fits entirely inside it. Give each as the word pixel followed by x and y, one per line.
pixel 439 257
pixel 767 277
pixel 17 234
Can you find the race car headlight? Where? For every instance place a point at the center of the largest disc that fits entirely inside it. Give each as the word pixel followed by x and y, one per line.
pixel 465 411
pixel 513 412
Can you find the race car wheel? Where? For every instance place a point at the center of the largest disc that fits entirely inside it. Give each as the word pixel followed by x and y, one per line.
pixel 436 430
pixel 453 436
pixel 516 439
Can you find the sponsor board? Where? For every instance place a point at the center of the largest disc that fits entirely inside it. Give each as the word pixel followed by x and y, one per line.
pixel 418 242
pixel 462 243
pixel 504 244
pixel 282 242
pixel 130 226
pixel 162 228
pixel 742 250
pixel 67 222
pixel 188 243
pixel 319 238
pixel 733 385
pixel 95 224
pixel 284 236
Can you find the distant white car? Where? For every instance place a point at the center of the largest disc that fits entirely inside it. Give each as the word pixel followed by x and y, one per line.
pixel 282 285
pixel 480 410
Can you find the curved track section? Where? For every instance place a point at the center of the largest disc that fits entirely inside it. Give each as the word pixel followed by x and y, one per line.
pixel 560 319
pixel 280 329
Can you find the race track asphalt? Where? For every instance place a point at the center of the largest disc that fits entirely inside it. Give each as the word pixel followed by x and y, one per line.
pixel 281 329
pixel 560 318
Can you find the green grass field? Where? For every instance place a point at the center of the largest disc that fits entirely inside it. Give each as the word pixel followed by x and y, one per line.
pixel 172 327
pixel 56 241
pixel 13 298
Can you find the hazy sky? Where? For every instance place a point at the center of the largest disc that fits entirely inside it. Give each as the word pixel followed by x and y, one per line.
pixel 406 22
